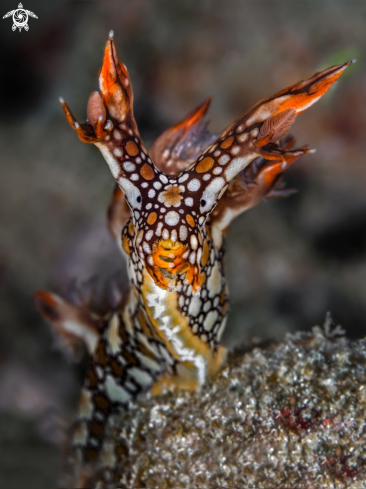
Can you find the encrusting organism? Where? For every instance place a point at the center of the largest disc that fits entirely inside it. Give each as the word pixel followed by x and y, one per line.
pixel 169 214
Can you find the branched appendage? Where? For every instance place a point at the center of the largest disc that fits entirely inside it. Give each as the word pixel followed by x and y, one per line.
pixel 169 214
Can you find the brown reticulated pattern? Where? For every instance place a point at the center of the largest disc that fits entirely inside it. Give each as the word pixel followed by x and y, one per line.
pixel 278 416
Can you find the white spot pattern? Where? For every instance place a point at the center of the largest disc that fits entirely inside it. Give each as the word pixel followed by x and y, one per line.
pixel 194 185
pixel 172 218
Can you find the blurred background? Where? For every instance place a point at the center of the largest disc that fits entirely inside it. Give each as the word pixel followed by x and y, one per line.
pixel 288 261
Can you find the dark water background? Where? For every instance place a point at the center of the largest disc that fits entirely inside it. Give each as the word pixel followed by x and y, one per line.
pixel 288 262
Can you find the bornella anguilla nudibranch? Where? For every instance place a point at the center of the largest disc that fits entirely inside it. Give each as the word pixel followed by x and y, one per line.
pixel 170 212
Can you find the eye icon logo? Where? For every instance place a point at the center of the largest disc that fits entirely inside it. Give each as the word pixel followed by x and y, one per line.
pixel 20 18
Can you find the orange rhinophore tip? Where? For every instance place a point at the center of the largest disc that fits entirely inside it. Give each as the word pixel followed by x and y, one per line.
pixel 115 84
pixel 46 304
pixel 307 92
pixel 193 117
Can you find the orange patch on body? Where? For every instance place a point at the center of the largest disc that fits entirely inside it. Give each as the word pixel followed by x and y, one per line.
pixel 152 218
pixel 147 172
pixel 125 245
pixel 168 255
pixel 172 195
pixel 203 278
pixel 174 382
pixel 190 220
pixel 131 228
pixel 165 253
pixel 205 254
pixel 205 165
pixel 131 148
pixel 227 142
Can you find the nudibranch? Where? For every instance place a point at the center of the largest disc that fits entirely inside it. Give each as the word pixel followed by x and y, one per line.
pixel 169 214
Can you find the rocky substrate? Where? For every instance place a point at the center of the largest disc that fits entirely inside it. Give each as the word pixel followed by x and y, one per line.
pixel 287 415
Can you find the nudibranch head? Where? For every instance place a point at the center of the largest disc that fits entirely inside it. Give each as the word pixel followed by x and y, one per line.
pixel 170 210
pixel 169 215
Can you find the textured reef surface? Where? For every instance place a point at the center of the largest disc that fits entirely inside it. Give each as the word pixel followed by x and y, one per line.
pixel 287 415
